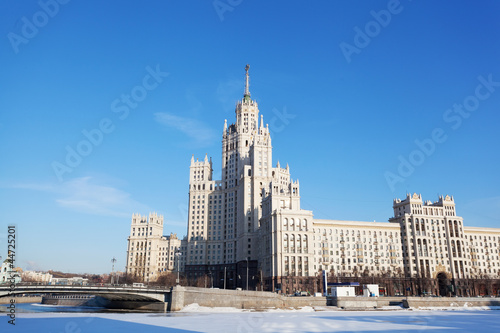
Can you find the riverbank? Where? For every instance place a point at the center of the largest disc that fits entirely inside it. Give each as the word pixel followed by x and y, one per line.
pixel 22 299
pixel 306 319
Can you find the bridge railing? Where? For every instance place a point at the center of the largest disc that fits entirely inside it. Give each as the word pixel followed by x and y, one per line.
pixel 20 287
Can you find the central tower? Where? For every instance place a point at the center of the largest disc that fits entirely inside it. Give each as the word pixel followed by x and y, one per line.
pixel 224 214
pixel 246 170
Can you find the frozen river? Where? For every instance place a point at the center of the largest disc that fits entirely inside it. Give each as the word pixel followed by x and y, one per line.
pixel 195 319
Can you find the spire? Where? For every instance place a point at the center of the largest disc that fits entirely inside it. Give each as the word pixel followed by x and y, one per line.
pixel 247 84
pixel 261 121
pixel 206 158
pixel 192 159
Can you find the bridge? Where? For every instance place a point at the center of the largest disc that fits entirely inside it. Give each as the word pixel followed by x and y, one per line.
pixel 111 293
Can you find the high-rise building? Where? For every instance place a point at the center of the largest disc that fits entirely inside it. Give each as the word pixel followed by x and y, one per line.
pixel 224 214
pixel 248 229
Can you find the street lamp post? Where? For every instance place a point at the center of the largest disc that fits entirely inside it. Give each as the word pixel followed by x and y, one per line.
pixel 247 273
pixel 178 255
pixel 113 270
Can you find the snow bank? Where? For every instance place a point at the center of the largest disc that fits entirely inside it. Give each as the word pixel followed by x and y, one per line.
pixel 459 308
pixel 197 308
pixel 303 309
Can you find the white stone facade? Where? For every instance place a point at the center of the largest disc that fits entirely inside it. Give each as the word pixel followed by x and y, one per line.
pixel 435 240
pixel 224 214
pixel 149 253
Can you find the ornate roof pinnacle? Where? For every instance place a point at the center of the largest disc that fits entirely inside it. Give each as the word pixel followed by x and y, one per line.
pixel 247 83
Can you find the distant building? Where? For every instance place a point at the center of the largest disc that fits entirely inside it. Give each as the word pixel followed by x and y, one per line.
pixel 73 281
pixel 32 276
pixel 149 253
pixel 9 274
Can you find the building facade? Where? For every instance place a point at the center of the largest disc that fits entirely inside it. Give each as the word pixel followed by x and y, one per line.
pixel 248 228
pixel 224 215
pixel 9 274
pixel 32 276
pixel 149 253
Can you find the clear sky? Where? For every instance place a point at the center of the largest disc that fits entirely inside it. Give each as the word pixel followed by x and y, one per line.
pixel 103 103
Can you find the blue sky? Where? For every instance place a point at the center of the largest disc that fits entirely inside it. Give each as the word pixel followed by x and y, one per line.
pixel 366 101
